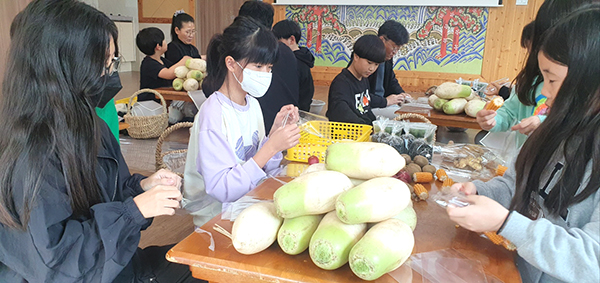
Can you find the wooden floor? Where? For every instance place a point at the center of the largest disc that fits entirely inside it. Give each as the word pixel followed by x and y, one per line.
pixel 139 155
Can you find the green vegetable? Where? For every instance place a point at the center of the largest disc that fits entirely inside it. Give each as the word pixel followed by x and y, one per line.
pixel 255 229
pixel 373 201
pixel 196 64
pixel 363 160
pixel 474 106
pixel 432 98
pixel 439 103
pixel 408 216
pixel 295 233
pixel 181 72
pixel 178 84
pixel 450 90
pixel 310 194
pixel 455 106
pixel 195 74
pixel 383 248
pixel 331 243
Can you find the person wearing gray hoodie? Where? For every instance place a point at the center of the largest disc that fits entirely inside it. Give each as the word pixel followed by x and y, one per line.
pixel 547 204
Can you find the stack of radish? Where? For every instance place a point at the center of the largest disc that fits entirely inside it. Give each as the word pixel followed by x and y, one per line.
pixel 190 76
pixel 349 210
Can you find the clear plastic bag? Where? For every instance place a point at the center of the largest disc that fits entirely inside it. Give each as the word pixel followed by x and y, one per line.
pixel 305 125
pixel 232 210
pixel 468 161
pixel 419 130
pixel 175 161
pixel 448 266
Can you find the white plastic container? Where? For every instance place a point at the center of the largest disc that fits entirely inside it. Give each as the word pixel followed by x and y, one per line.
pixel 316 107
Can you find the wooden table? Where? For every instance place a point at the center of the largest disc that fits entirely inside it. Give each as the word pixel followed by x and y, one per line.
pixel 442 119
pixel 171 94
pixel 434 231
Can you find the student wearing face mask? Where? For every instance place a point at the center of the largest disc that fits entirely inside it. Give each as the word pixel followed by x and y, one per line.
pixel 106 109
pixel 229 152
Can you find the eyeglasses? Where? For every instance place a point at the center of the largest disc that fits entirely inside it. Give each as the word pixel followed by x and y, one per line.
pixel 113 66
pixel 190 32
pixel 395 47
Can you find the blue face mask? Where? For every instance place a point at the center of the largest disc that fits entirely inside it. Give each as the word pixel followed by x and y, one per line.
pixel 111 88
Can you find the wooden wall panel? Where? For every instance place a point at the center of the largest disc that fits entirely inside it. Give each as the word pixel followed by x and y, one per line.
pixel 8 11
pixel 503 55
pixel 161 11
pixel 213 17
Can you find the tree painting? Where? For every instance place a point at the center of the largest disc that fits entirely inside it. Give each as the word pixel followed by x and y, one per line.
pixel 458 18
pixel 314 17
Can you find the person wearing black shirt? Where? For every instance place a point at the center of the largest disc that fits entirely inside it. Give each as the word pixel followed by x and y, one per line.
pixel 289 33
pixel 183 31
pixel 284 84
pixel 383 81
pixel 155 70
pixel 350 100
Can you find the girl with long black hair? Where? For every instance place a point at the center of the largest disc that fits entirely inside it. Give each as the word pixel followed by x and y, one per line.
pixel 548 204
pixel 69 209
pixel 229 152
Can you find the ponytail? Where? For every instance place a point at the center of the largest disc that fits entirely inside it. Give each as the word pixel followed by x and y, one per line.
pixel 216 75
pixel 179 18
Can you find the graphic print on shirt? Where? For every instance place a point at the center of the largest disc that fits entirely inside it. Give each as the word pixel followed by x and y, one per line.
pixel 540 105
pixel 362 101
pixel 246 152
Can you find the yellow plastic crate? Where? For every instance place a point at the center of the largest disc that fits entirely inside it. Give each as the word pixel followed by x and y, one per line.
pixel 330 132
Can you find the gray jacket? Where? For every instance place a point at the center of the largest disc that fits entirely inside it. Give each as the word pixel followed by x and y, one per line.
pixel 551 249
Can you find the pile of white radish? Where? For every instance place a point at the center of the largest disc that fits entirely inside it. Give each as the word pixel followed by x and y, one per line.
pixel 190 76
pixel 368 225
pixel 453 98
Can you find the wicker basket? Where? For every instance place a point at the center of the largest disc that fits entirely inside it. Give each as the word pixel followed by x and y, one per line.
pixel 408 116
pixel 178 155
pixel 146 127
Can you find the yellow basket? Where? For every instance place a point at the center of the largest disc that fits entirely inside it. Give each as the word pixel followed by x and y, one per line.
pixel 330 132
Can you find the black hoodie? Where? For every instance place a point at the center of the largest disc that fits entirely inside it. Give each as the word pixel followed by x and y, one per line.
pixel 306 86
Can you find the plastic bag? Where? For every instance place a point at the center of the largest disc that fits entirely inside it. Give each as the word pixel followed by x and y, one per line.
pixel 504 143
pixel 175 161
pixel 305 124
pixel 233 209
pixel 468 161
pixel 447 266
pixel 424 131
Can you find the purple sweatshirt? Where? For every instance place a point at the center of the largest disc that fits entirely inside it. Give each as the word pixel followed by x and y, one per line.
pixel 228 137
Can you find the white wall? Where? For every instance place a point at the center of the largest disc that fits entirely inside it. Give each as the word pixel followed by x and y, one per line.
pixel 166 29
pixel 126 8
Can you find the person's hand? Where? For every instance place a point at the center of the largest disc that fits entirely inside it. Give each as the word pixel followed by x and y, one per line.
pixel 466 188
pixel 394 99
pixel 527 125
pixel 161 177
pixel 282 138
pixel 482 214
pixel 406 96
pixel 291 112
pixel 160 200
pixel 486 119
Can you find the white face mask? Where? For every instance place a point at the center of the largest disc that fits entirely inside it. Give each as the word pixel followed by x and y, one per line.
pixel 255 83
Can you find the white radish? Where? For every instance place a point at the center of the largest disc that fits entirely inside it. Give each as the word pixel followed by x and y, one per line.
pixel 255 229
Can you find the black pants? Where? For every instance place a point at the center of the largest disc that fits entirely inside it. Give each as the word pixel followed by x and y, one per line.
pixel 150 265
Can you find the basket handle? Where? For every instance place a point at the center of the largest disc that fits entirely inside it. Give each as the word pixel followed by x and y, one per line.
pixel 158 154
pixel 412 116
pixel 415 116
pixel 162 100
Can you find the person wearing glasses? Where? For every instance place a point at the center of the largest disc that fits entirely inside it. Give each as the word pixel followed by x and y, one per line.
pixel 383 82
pixel 106 109
pixel 70 211
pixel 183 31
pixel 155 71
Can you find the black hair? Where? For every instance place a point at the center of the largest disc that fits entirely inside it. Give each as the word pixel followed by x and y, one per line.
pixel 550 12
pixel 370 47
pixel 394 31
pixel 147 39
pixel 527 35
pixel 177 22
pixel 287 28
pixel 571 127
pixel 259 11
pixel 49 121
pixel 246 40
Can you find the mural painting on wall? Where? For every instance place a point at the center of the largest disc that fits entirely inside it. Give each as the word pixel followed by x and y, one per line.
pixel 442 39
